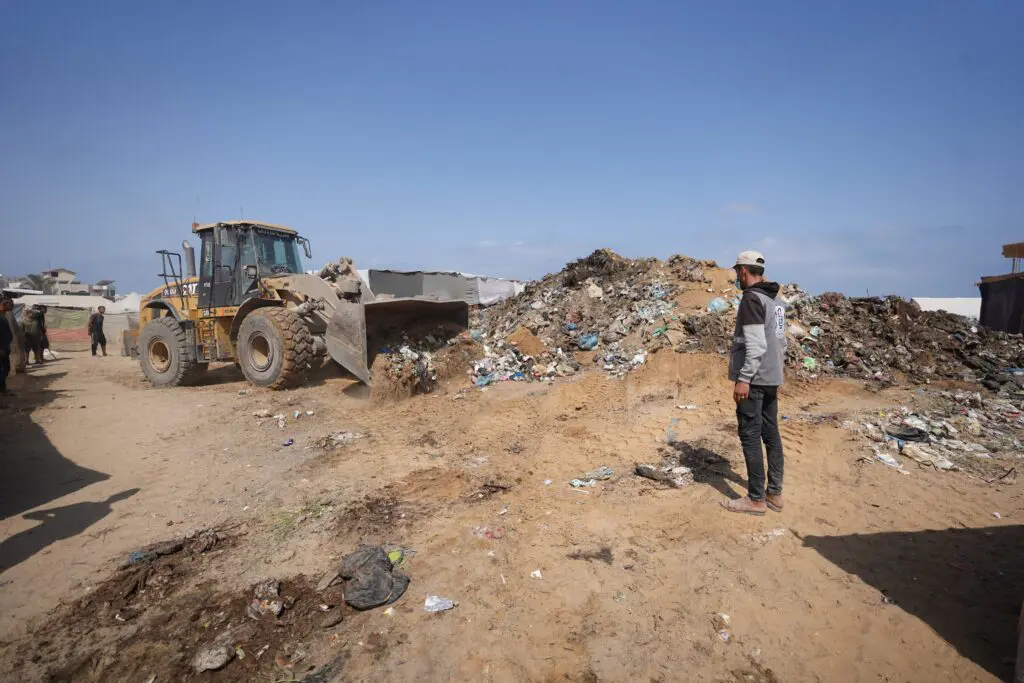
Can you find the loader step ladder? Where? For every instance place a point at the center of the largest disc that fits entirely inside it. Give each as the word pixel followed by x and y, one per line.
pixel 172 275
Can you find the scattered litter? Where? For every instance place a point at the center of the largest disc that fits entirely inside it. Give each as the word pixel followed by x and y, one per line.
pixel 887 459
pixel 151 552
pixel 489 533
pixel 886 600
pixel 435 603
pixel 396 556
pixel 288 442
pixel 310 413
pixel 535 574
pixel 997 515
pixel 297 414
pixel 676 476
pixel 338 440
pixel 371 579
pixel 389 612
pixel 769 535
pixel 213 659
pixel 688 406
pixel 718 305
pixel 548 482
pixel 266 600
pixel 264 413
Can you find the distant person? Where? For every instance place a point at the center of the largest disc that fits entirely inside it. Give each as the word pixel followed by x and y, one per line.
pixel 18 361
pixel 756 366
pixel 42 321
pixel 96 330
pixel 6 339
pixel 32 325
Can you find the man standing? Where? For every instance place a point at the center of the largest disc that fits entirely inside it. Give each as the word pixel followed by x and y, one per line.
pixel 16 351
pixel 756 366
pixel 6 339
pixel 96 330
pixel 32 324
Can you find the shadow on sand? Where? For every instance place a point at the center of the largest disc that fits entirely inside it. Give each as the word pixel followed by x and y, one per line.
pixel 966 584
pixel 34 471
pixel 709 468
pixel 57 524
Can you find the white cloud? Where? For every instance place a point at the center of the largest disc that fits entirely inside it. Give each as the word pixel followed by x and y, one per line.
pixel 488 244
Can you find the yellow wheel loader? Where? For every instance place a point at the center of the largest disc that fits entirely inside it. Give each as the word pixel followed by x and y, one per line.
pixel 251 303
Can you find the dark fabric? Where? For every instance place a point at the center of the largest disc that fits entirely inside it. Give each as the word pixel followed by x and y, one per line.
pixel 6 335
pixel 34 346
pixel 752 309
pixel 1002 305
pixel 371 579
pixel 99 340
pixel 96 324
pixel 758 420
pixel 5 369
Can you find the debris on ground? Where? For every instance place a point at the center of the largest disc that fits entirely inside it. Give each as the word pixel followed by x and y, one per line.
pixel 371 579
pixel 267 600
pixel 602 473
pixel 768 536
pixel 338 440
pixel 413 360
pixel 435 603
pixel 676 476
pixel 213 659
pixel 957 430
pixel 535 574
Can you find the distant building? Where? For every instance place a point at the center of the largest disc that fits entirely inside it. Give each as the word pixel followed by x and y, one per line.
pixel 60 281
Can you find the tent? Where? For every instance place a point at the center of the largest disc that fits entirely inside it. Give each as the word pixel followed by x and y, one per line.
pixel 476 290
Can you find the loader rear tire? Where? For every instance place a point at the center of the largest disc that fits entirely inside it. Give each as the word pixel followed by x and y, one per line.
pixel 164 355
pixel 275 348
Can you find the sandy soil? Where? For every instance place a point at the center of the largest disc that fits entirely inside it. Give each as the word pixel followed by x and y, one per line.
pixel 868 575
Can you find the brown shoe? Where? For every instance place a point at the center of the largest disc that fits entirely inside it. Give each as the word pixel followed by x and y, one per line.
pixel 774 502
pixel 745 506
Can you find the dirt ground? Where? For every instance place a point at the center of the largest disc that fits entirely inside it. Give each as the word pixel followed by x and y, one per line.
pixel 868 575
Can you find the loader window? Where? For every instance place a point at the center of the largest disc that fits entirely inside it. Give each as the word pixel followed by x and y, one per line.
pixel 277 253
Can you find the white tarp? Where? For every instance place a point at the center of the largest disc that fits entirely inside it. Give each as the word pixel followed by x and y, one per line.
pixel 969 307
pixel 66 301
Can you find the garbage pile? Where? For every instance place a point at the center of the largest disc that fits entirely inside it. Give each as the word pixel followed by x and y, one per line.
pixel 962 431
pixel 892 339
pixel 604 309
pixel 410 358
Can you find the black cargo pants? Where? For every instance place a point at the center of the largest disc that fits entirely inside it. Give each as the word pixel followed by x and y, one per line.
pixel 758 420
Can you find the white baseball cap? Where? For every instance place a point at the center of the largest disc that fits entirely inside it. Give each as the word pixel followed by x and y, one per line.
pixel 750 258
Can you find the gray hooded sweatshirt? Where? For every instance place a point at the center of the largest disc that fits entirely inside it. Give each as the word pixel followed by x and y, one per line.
pixel 759 343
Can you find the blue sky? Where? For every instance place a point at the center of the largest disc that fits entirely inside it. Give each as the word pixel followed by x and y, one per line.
pixel 868 146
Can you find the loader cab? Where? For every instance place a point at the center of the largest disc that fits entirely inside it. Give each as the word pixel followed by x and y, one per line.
pixel 234 255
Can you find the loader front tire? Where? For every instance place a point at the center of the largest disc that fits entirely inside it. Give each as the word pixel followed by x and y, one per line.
pixel 275 348
pixel 164 355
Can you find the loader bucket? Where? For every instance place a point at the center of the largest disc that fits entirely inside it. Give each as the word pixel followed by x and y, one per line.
pixel 355 331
